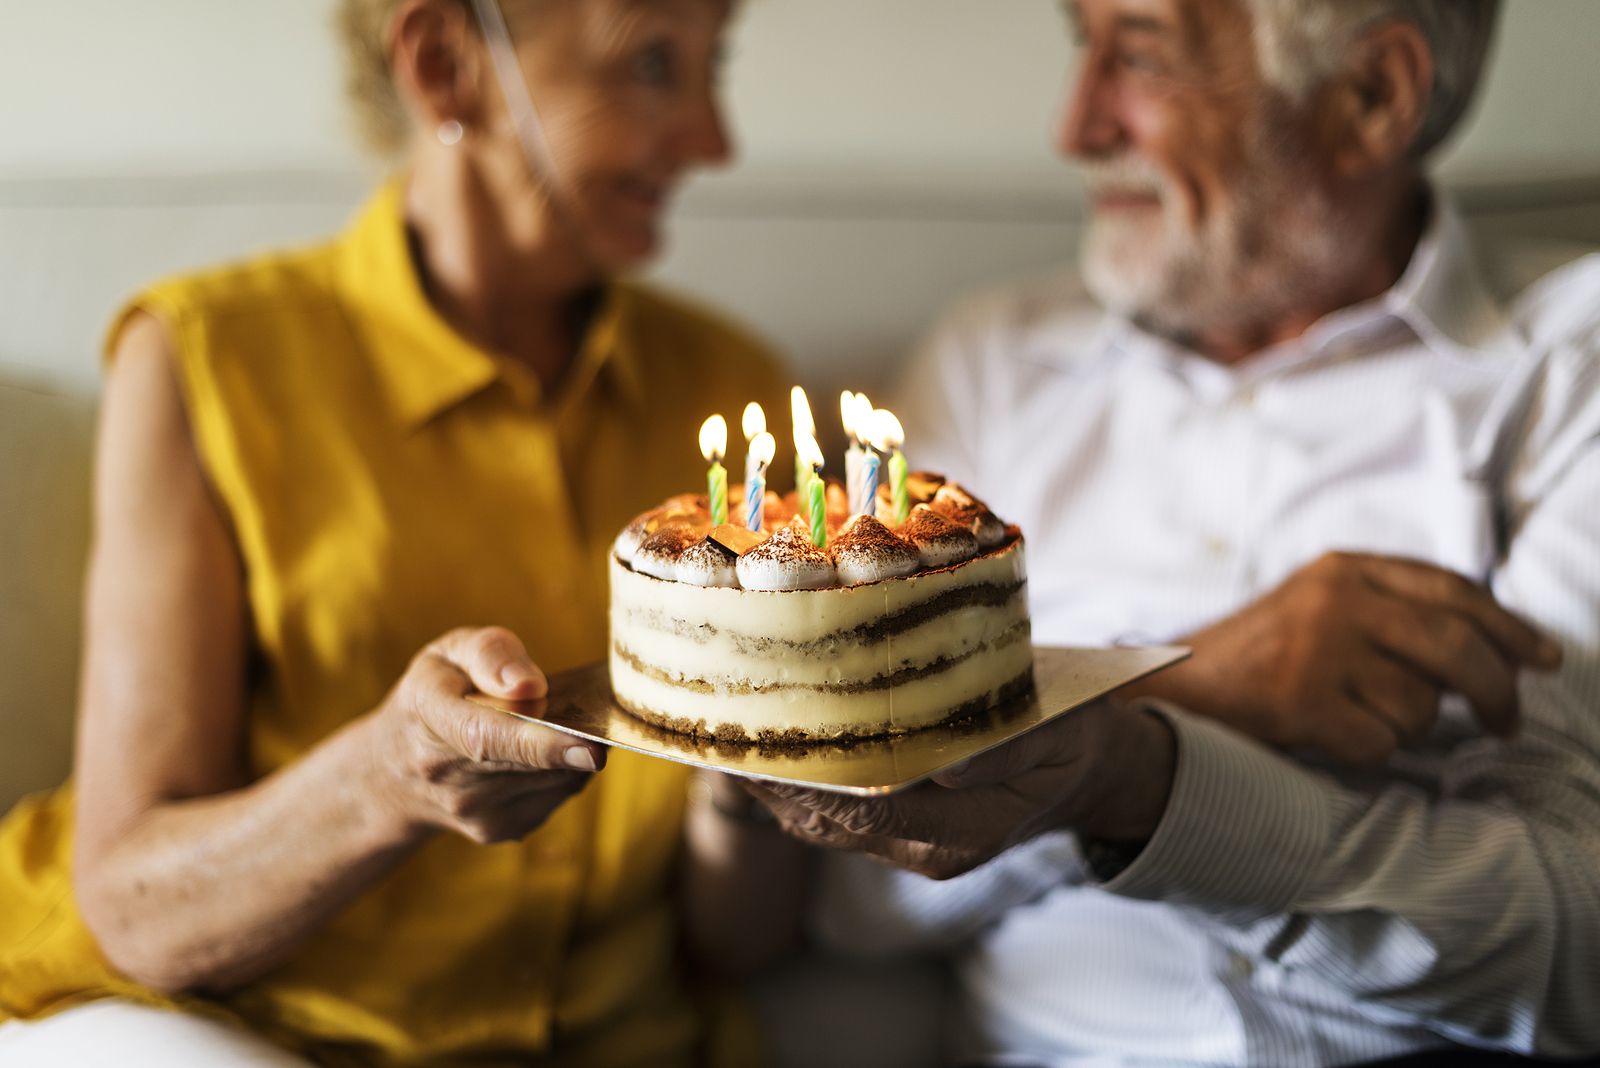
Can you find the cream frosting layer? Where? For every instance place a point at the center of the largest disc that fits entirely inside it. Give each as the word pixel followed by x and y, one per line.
pixel 690 654
pixel 817 714
pixel 800 616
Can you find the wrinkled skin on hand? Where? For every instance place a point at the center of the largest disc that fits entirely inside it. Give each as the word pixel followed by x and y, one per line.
pixel 1058 776
pixel 457 766
pixel 1350 656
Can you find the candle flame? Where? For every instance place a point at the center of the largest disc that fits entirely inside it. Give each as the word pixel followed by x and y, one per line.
pixel 714 438
pixel 800 412
pixel 856 411
pixel 763 447
pixel 754 421
pixel 810 451
pixel 886 432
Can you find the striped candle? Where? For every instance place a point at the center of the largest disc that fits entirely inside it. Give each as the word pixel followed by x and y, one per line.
pixel 819 512
pixel 887 437
pixel 805 428
pixel 763 447
pixel 812 494
pixel 753 423
pixel 713 446
pixel 867 499
pixel 852 454
pixel 899 487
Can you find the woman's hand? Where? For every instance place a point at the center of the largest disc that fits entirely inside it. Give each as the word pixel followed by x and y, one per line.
pixel 454 765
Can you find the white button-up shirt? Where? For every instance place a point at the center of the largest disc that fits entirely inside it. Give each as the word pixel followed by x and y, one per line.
pixel 1286 913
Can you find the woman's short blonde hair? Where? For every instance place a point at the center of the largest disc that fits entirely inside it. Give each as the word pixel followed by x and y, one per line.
pixel 368 82
pixel 363 29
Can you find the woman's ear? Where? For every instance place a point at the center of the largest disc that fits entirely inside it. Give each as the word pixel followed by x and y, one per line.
pixel 1374 107
pixel 435 55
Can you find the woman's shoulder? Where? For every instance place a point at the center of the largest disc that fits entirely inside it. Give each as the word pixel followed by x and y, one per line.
pixel 265 285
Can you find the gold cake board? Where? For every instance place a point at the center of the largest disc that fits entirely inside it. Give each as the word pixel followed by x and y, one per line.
pixel 581 704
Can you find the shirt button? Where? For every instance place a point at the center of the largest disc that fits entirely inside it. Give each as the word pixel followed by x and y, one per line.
pixel 1240 967
pixel 1218 548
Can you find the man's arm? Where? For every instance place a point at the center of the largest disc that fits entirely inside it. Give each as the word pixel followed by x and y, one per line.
pixel 1474 911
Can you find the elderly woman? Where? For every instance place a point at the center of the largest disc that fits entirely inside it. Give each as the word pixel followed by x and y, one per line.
pixel 316 469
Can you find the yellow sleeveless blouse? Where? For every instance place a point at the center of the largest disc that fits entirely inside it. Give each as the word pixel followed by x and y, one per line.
pixel 387 481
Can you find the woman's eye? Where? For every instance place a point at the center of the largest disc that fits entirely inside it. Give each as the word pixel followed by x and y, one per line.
pixel 655 64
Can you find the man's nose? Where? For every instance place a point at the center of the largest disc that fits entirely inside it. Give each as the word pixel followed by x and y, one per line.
pixel 1089 125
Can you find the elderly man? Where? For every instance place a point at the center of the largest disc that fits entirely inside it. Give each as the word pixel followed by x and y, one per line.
pixel 1294 429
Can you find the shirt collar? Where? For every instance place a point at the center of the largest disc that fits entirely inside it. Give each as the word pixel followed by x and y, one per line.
pixel 425 367
pixel 1442 295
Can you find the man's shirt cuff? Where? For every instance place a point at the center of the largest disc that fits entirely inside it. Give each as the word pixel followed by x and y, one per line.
pixel 1243 831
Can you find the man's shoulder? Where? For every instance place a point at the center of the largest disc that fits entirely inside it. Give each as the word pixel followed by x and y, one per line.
pixel 1050 319
pixel 1561 310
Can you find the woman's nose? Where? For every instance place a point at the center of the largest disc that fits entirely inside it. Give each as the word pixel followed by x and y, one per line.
pixel 706 139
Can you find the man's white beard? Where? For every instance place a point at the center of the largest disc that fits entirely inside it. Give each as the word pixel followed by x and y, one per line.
pixel 1247 262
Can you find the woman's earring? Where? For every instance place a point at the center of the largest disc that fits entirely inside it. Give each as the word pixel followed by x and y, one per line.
pixel 451 132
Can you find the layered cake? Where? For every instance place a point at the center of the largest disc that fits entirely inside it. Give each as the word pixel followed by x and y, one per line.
pixel 765 636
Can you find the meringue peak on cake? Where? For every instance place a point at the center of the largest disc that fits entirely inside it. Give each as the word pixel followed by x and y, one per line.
pixel 708 563
pixel 867 551
pixel 786 561
pixel 685 510
pixel 939 541
pixel 959 506
pixel 659 553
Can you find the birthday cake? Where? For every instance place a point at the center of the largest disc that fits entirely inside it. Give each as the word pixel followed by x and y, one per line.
pixel 902 609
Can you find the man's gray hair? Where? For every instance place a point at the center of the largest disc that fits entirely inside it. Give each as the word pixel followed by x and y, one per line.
pixel 1301 42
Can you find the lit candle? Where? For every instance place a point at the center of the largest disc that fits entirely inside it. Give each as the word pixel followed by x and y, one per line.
pixel 816 511
pixel 870 465
pixel 753 423
pixel 887 437
pixel 865 504
pixel 762 449
pixel 714 446
pixel 852 454
pixel 805 428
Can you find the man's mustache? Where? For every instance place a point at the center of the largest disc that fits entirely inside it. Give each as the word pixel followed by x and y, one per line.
pixel 1124 175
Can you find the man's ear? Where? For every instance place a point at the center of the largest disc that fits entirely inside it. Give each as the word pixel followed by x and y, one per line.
pixel 1374 107
pixel 435 55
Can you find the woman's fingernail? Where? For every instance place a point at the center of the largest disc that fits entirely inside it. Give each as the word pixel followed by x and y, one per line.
pixel 580 758
pixel 514 675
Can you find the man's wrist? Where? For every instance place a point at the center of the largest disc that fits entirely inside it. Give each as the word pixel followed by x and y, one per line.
pixel 1133 761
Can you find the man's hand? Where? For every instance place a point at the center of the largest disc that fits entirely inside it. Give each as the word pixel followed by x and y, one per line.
pixel 1103 771
pixel 1350 656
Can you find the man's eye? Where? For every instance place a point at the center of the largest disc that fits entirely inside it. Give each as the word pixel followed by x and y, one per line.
pixel 1144 62
pixel 655 64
